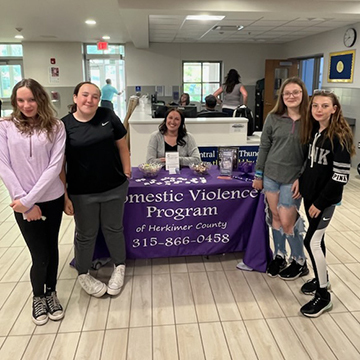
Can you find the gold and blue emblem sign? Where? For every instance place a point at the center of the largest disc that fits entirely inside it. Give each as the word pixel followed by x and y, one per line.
pixel 341 66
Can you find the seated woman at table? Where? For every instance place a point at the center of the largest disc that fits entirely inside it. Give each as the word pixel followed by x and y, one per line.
pixel 173 136
pixel 184 99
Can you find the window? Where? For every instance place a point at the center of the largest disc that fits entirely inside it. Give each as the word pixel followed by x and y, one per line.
pixel 311 72
pixel 11 72
pixel 201 78
pixel 112 49
pixel 107 64
pixel 10 50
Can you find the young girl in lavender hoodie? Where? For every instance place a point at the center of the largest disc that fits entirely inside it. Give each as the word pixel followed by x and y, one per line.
pixel 32 144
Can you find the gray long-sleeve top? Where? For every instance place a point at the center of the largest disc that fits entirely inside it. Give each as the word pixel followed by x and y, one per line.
pixel 188 154
pixel 281 155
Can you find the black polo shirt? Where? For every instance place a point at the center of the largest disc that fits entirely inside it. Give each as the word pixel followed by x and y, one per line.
pixel 92 157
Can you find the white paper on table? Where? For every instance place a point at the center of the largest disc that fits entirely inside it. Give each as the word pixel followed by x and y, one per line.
pixel 173 171
pixel 172 162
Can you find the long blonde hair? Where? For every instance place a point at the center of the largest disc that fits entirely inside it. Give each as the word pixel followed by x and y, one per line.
pixel 338 126
pixel 46 120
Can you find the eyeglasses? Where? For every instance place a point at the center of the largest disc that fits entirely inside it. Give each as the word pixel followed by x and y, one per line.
pixel 295 93
pixel 322 92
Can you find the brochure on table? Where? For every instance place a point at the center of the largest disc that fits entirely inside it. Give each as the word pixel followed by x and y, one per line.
pixel 172 162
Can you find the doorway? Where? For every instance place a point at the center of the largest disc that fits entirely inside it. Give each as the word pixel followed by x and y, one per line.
pixel 276 71
pixel 101 69
pixel 10 74
pixel 107 64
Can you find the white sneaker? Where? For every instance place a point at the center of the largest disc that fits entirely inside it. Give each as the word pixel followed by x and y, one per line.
pixel 117 280
pixel 242 266
pixel 91 285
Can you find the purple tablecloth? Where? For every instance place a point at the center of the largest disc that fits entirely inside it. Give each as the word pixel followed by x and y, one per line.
pixel 182 215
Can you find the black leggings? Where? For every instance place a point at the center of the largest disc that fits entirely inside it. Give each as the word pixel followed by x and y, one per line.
pixel 314 241
pixel 41 237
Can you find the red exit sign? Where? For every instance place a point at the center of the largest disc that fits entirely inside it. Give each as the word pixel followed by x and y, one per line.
pixel 102 45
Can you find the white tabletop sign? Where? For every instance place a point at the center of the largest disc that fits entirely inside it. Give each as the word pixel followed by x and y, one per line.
pixel 172 162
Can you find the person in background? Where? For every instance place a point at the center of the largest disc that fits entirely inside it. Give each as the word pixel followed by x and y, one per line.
pixel 210 111
pixel 108 92
pixel 184 99
pixel 210 103
pixel 32 144
pixel 97 173
pixel 173 136
pixel 327 170
pixel 280 162
pixel 234 92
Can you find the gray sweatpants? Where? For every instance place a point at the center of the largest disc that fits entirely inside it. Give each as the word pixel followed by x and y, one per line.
pixel 91 211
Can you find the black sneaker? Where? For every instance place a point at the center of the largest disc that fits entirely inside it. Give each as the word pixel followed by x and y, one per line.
pixel 293 271
pixel 39 311
pixel 310 287
pixel 276 265
pixel 316 306
pixel 55 310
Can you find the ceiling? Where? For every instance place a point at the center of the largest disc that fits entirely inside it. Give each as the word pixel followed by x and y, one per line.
pixel 146 21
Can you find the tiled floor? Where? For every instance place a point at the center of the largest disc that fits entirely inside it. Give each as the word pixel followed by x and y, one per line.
pixel 184 308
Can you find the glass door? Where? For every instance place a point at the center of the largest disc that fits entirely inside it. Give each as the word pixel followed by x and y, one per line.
pixel 10 75
pixel 101 69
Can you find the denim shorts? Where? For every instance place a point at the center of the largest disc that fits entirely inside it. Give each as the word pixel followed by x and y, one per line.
pixel 285 197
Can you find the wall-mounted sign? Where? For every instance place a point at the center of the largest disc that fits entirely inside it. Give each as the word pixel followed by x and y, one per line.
pixel 341 66
pixel 54 74
pixel 102 45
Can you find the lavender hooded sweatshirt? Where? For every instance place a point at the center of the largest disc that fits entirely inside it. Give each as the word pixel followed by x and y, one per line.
pixel 30 164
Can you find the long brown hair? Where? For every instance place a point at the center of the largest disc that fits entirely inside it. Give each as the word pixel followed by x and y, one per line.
pixel 280 108
pixel 231 79
pixel 338 126
pixel 46 120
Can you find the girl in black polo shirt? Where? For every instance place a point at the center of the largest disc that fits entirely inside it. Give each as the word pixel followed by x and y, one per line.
pixel 97 168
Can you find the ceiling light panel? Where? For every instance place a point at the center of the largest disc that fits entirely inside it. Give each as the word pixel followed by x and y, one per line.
pixel 205 17
pixel 225 28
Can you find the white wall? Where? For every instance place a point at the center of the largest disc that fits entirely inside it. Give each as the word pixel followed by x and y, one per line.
pixel 69 60
pixel 161 64
pixel 325 43
pixel 68 57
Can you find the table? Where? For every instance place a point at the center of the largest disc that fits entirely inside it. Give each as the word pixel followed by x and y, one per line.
pixel 183 215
